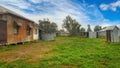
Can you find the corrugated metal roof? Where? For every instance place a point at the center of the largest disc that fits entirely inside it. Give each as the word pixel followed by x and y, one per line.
pixel 4 10
pixel 109 28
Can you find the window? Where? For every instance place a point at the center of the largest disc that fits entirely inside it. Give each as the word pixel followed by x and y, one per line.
pixel 28 30
pixel 16 28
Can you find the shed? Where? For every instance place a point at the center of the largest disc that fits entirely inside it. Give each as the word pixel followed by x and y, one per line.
pixel 111 33
pixel 63 33
pixel 46 36
pixel 92 34
pixel 14 28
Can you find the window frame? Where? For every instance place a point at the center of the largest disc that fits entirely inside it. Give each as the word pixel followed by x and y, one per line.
pixel 29 30
pixel 16 28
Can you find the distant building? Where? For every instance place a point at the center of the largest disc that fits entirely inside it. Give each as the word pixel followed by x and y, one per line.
pixel 111 33
pixel 14 28
pixel 64 33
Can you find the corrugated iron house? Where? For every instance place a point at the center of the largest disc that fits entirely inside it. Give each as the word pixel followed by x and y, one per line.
pixel 14 28
pixel 111 33
pixel 92 35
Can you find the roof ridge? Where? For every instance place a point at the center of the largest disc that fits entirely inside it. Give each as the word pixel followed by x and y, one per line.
pixel 6 10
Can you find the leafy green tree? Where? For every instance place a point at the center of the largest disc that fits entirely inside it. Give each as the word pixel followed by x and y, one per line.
pixel 71 25
pixel 46 26
pixel 97 28
pixel 54 27
pixel 82 29
pixel 61 30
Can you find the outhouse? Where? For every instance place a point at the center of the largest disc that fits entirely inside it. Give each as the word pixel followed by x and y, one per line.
pixel 111 33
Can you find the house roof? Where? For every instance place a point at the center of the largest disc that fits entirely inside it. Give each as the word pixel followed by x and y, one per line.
pixel 4 10
pixel 110 28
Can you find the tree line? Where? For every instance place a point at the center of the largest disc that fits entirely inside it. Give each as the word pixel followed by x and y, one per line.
pixel 69 24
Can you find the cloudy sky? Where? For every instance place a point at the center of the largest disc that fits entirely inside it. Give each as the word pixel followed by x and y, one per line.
pixel 93 12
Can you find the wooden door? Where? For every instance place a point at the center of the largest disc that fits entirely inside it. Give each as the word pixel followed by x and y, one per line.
pixel 108 36
pixel 87 33
pixel 40 34
pixel 97 36
pixel 3 32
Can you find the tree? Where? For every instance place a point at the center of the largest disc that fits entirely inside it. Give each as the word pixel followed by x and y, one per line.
pixel 71 25
pixel 104 27
pixel 46 26
pixel 89 28
pixel 61 30
pixel 82 29
pixel 53 27
pixel 97 28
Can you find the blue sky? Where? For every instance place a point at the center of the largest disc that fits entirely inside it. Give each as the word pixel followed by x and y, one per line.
pixel 93 12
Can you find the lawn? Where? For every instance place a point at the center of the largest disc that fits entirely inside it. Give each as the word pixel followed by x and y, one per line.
pixel 64 52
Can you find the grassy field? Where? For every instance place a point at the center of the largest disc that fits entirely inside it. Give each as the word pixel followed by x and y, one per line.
pixel 64 52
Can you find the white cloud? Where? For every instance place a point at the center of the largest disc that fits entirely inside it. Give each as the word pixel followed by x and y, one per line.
pixel 35 1
pixel 56 10
pixel 104 7
pixel 16 3
pixel 112 6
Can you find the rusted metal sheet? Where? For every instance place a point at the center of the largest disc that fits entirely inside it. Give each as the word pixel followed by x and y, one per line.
pixel 22 35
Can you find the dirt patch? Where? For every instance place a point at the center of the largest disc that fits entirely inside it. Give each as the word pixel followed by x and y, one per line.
pixel 62 41
pixel 68 66
pixel 33 51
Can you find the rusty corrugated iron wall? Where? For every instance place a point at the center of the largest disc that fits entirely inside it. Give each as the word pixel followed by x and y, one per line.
pixel 22 35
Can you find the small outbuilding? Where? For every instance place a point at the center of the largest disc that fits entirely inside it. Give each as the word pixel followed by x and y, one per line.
pixel 46 36
pixel 111 33
pixel 92 34
pixel 63 33
pixel 14 28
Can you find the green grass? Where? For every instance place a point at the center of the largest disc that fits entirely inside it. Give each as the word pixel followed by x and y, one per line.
pixel 71 52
